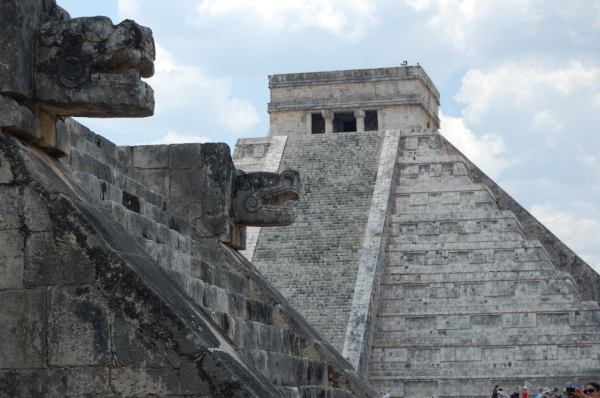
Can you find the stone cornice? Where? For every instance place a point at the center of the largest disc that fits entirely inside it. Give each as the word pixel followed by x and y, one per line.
pixel 353 76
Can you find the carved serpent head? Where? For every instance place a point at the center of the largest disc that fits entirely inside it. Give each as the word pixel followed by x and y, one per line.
pixel 261 199
pixel 90 67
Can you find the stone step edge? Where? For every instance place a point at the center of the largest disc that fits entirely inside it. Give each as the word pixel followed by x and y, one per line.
pixel 430 159
pixel 258 355
pixel 221 300
pixel 477 215
pixel 218 318
pixel 300 392
pixel 88 165
pixel 414 247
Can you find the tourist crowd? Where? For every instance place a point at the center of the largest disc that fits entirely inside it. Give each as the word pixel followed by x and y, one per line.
pixel 573 390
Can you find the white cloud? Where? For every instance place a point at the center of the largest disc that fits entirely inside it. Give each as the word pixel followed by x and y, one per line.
pixel 486 152
pixel 525 86
pixel 546 123
pixel 462 21
pixel 580 232
pixel 348 19
pixel 174 138
pixel 589 156
pixel 238 114
pixel 128 9
pixel 420 5
pixel 178 86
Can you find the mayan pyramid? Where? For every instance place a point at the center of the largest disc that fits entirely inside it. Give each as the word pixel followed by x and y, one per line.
pixel 428 277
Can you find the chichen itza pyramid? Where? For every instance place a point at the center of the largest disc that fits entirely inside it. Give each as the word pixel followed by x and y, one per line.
pixel 427 276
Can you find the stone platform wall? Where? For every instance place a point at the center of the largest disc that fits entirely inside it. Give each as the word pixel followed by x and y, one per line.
pixel 105 291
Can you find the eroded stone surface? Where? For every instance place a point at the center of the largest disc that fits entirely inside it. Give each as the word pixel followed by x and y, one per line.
pixel 23 320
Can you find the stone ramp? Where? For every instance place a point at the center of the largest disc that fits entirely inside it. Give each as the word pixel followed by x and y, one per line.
pixel 314 261
pixel 466 299
pixel 258 345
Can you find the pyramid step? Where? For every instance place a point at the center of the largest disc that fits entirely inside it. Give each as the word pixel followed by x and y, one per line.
pixel 443 198
pixel 258 336
pixel 463 331
pixel 422 143
pixel 504 216
pixel 492 287
pixel 394 308
pixel 408 178
pixel 472 296
pixel 148 220
pixel 443 170
pixel 405 264
pixel 289 371
pixel 218 299
pixel 397 275
pixel 314 392
pixel 437 188
pixel 432 160
pixel 176 250
pixel 528 246
pixel 435 207
pixel 446 233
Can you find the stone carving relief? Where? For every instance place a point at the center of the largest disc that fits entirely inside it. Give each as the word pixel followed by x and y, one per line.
pixel 261 199
pixel 90 67
pixel 62 66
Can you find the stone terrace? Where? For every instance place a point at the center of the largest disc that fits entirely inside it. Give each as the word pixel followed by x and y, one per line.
pixel 465 299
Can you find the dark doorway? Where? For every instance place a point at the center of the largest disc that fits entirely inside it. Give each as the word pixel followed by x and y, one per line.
pixel 318 123
pixel 344 122
pixel 371 121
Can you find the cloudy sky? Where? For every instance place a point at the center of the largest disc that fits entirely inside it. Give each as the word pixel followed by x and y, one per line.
pixel 519 81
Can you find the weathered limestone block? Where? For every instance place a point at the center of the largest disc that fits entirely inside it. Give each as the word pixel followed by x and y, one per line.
pixel 87 381
pixel 23 329
pixel 18 119
pixel 6 175
pixel 191 382
pixel 41 260
pixel 32 384
pixel 142 382
pixel 10 208
pixel 130 346
pixel 11 260
pixel 36 215
pixel 78 333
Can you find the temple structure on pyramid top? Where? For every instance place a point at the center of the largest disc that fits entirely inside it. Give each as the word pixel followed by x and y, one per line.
pixel 427 276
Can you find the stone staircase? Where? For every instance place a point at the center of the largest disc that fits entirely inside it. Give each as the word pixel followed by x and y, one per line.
pixel 208 272
pixel 338 173
pixel 465 297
